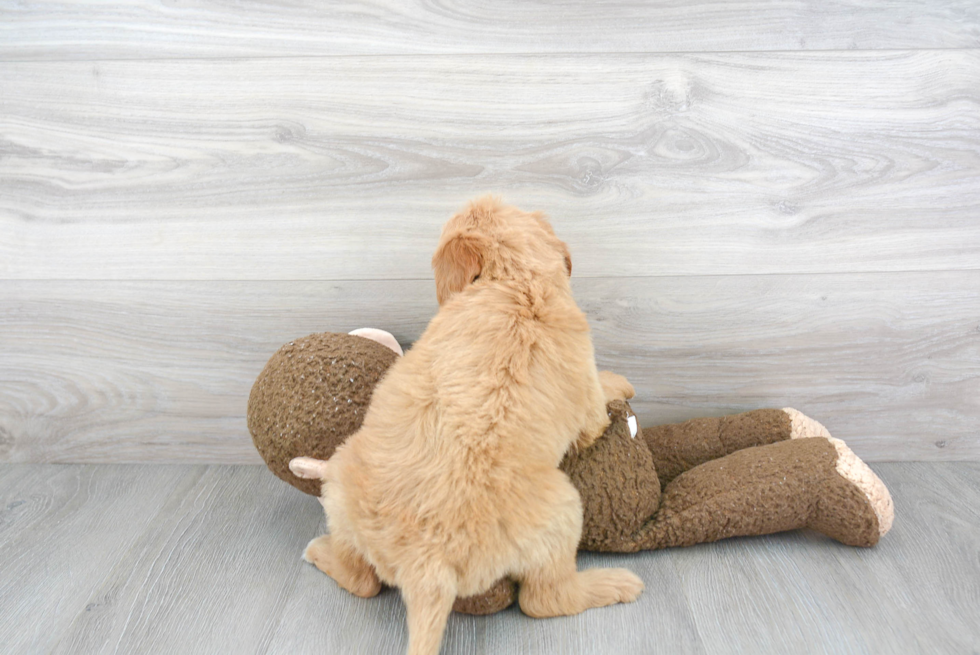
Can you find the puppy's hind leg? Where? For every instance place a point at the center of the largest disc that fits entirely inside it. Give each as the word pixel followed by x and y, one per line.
pixel 342 563
pixel 551 585
pixel 557 589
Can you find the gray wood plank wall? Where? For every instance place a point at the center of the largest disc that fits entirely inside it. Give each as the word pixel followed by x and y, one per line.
pixel 767 203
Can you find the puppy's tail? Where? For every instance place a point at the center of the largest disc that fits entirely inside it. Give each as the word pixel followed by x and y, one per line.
pixel 428 605
pixel 309 468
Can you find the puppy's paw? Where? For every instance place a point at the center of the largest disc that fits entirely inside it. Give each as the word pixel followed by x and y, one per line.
pixel 318 550
pixel 349 570
pixel 615 386
pixel 609 586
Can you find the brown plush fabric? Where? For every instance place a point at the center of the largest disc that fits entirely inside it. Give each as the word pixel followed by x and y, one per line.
pixel 311 395
pixel 782 486
pixel 500 596
pixel 761 490
pixel 721 477
pixel 617 482
pixel 680 447
pixel 620 492
pixel 844 513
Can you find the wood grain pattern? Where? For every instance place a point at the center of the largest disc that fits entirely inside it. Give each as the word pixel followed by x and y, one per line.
pixel 935 504
pixel 888 362
pixel 768 204
pixel 345 168
pixel 661 625
pixel 138 28
pixel 229 544
pixel 214 567
pixel 62 529
pixel 160 371
pixel 841 595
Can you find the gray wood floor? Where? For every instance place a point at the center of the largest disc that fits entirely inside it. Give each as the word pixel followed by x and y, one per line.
pixel 206 559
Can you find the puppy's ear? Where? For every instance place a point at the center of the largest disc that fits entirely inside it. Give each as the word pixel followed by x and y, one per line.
pixel 457 262
pixel 562 247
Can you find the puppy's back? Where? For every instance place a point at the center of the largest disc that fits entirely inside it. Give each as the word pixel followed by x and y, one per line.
pixel 487 396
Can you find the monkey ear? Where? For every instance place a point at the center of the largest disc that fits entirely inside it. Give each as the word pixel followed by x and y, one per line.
pixel 457 262
pixel 308 468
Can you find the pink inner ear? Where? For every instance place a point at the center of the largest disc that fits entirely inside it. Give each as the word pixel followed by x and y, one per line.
pixel 380 336
pixel 308 468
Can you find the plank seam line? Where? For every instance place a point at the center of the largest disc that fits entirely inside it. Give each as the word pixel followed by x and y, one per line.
pixel 429 279
pixel 433 55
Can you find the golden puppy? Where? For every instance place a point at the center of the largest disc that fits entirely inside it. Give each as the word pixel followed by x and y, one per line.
pixel 452 481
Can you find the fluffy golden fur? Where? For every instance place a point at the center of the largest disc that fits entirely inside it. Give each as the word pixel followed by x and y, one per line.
pixel 452 481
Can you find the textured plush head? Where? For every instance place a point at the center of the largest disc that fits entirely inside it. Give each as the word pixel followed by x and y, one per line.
pixel 312 395
pixel 492 241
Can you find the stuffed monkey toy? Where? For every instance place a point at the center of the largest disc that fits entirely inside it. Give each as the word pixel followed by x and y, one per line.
pixel 760 472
